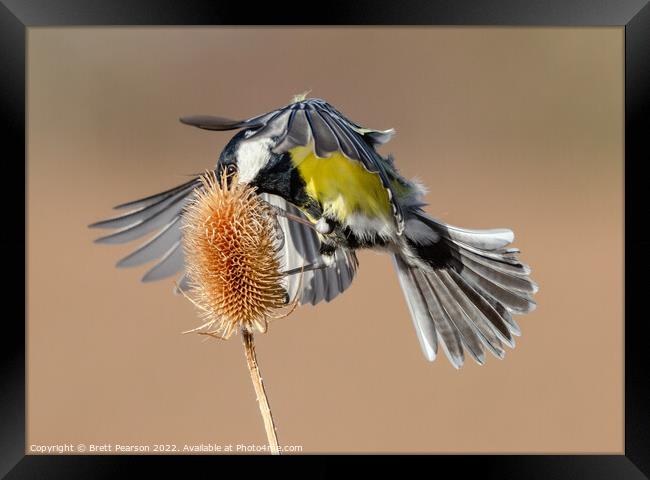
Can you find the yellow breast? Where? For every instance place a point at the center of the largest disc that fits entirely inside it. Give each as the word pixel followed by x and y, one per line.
pixel 342 186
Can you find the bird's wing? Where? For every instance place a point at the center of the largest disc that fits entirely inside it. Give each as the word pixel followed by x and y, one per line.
pixel 301 247
pixel 315 122
pixel 162 214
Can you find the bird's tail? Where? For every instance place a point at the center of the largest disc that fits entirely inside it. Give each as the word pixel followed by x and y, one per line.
pixel 462 287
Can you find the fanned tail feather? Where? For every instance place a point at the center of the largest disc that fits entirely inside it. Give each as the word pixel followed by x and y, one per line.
pixel 462 288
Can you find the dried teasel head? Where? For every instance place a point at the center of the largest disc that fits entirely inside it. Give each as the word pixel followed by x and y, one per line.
pixel 233 265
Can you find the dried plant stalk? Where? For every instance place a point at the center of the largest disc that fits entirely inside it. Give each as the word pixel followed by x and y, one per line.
pixel 234 272
pixel 262 399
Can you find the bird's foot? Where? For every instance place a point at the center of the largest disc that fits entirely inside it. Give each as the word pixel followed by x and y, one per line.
pixel 323 226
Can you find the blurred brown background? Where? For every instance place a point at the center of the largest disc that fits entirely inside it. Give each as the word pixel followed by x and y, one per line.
pixel 508 127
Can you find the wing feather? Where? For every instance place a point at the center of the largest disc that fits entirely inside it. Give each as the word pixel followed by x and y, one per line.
pixel 315 122
pixel 157 220
pixel 345 144
pixel 147 211
pixel 324 139
pixel 146 201
pixel 171 263
pixel 155 247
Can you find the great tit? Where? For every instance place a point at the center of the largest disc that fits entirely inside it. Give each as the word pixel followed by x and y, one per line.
pixel 314 164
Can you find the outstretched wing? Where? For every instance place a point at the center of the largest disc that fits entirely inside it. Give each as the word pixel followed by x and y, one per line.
pixel 301 247
pixel 162 213
pixel 315 122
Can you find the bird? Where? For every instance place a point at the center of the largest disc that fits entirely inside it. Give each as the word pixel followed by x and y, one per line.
pixel 336 194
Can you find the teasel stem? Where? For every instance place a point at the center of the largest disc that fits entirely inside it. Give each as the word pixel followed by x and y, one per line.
pixel 262 399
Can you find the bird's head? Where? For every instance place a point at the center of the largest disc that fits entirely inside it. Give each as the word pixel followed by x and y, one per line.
pixel 250 160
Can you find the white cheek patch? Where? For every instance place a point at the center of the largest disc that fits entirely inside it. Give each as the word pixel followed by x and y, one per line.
pixel 252 156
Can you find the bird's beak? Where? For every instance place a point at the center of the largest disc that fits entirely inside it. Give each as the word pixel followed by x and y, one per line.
pixel 230 178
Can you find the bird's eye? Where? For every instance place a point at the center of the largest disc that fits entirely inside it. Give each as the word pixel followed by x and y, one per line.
pixel 231 169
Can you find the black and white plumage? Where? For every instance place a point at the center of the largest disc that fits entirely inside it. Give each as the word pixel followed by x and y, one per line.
pixel 307 159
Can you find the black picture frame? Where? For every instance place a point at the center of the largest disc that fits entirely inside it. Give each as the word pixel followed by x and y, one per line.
pixel 634 15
